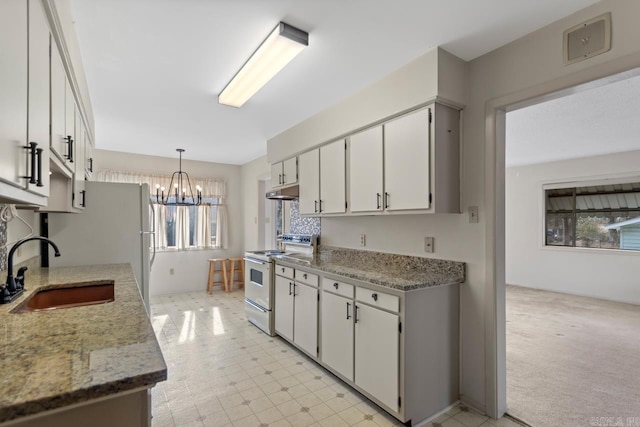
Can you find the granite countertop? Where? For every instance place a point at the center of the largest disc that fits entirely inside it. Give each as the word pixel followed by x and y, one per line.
pixel 51 359
pixel 393 271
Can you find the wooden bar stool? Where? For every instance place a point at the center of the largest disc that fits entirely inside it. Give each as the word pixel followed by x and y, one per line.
pixel 236 268
pixel 221 272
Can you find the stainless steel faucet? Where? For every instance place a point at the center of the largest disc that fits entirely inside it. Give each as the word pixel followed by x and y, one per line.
pixel 15 285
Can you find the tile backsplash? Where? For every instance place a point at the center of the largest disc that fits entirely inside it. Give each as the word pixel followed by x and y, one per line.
pixel 301 225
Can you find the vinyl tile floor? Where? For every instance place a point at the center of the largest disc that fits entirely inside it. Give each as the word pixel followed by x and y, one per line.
pixel 223 371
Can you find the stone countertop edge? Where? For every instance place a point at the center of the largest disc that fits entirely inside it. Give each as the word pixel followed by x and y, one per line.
pixel 53 359
pixel 400 272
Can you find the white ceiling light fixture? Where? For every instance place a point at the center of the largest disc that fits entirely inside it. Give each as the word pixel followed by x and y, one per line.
pixel 276 51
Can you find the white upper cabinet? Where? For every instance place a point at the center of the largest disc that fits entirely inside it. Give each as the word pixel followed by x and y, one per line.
pixel 365 171
pixel 38 107
pixel 333 178
pixel 407 162
pixel 69 123
pixel 284 173
pixel 13 92
pixel 79 192
pixel 309 181
pixel 58 84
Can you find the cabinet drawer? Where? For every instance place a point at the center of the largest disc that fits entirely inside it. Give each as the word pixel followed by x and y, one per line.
pixel 378 299
pixel 306 277
pixel 337 287
pixel 284 271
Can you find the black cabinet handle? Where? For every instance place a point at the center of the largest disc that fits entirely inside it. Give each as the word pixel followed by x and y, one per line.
pixel 284 180
pixel 69 140
pixel 290 293
pixel 91 164
pixel 283 269
pixel 335 285
pixel 304 275
pixel 84 201
pixel 315 206
pixel 279 178
pixel 294 290
pixel 31 149
pixel 39 161
pixel 356 317
pixel 386 200
pixel 378 196
pixel 348 315
pixel 33 152
pixel 375 297
pixel 320 205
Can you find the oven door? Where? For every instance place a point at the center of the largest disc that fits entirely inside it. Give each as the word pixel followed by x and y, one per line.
pixel 257 281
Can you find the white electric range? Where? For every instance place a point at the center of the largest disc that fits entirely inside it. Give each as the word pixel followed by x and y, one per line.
pixel 260 277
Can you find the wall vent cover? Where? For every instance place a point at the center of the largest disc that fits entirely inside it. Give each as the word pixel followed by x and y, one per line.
pixel 587 39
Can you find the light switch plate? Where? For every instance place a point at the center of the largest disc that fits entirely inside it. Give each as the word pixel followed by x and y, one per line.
pixel 473 215
pixel 428 244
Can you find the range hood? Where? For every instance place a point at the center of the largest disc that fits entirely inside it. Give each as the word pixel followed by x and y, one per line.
pixel 289 193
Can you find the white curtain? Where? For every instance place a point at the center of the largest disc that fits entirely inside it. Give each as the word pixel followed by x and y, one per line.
pixel 161 226
pixel 182 227
pixel 221 225
pixel 203 231
pixel 211 188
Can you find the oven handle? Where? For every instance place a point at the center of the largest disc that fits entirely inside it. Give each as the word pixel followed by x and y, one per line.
pixel 254 305
pixel 255 261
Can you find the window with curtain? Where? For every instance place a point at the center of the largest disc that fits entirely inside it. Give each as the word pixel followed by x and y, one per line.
pixel 183 227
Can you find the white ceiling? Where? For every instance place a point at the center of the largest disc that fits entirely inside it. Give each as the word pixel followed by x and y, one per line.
pixel 155 67
pixel 589 123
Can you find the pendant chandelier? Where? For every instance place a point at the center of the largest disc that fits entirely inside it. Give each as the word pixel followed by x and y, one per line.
pixel 179 189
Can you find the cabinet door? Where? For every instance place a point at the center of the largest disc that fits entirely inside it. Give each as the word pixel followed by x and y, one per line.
pixel 332 178
pixel 79 192
pixel 290 171
pixel 337 333
pixel 377 354
pixel 58 83
pixel 38 130
pixel 276 175
pixel 284 307
pixel 88 156
pixel 13 91
pixel 70 123
pixel 309 182
pixel 406 161
pixel 365 171
pixel 305 330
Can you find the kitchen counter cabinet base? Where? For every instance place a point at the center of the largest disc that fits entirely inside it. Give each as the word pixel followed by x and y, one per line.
pixel 130 409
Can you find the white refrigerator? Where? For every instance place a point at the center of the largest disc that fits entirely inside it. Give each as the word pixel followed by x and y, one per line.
pixel 115 227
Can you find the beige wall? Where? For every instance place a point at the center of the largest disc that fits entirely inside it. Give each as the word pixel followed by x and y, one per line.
pixel 608 274
pixel 528 67
pixel 252 173
pixel 190 268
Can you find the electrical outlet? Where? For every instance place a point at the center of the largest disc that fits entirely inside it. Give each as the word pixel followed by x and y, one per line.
pixel 428 244
pixel 473 215
pixel 363 240
pixel 19 251
pixel 171 271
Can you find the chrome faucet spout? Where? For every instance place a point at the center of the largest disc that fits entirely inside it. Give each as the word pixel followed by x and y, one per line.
pixel 12 289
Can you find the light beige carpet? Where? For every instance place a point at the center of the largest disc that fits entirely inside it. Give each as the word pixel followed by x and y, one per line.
pixel 572 360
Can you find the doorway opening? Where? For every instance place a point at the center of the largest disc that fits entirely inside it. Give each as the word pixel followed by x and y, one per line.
pixel 571 216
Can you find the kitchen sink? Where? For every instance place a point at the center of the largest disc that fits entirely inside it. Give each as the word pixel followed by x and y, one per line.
pixel 68 296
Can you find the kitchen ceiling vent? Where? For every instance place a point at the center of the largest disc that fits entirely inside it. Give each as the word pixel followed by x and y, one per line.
pixel 587 39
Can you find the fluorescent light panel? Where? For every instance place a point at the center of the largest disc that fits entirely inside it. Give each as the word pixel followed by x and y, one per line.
pixel 280 47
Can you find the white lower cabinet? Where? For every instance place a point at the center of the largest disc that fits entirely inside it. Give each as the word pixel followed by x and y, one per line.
pixel 284 307
pixel 399 349
pixel 305 318
pixel 296 313
pixel 377 341
pixel 337 333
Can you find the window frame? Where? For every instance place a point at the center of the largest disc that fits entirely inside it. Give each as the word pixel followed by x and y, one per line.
pixel 214 203
pixel 573 184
